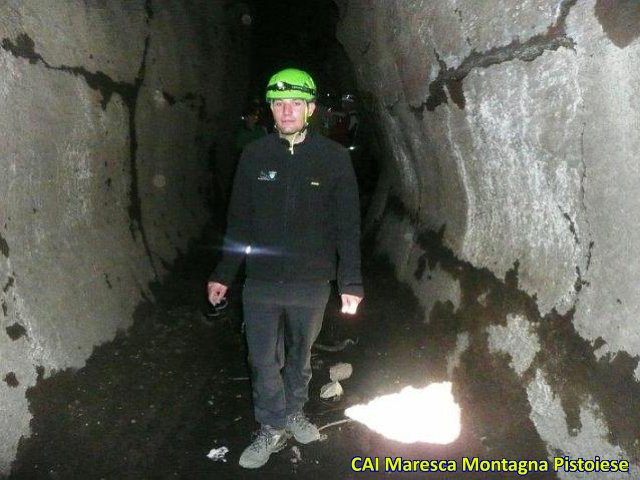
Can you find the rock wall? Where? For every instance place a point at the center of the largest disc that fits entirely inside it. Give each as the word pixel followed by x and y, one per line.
pixel 111 112
pixel 510 198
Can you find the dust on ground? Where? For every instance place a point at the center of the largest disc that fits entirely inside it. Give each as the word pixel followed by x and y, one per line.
pixel 153 402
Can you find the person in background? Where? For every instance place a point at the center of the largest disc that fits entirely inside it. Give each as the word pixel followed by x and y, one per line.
pixel 249 130
pixel 294 219
pixel 352 122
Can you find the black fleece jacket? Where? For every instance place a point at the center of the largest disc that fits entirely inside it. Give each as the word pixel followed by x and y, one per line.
pixel 295 217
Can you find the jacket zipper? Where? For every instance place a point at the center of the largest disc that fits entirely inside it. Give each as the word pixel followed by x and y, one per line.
pixel 287 202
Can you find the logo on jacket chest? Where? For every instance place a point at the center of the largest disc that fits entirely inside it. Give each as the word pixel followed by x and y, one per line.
pixel 267 176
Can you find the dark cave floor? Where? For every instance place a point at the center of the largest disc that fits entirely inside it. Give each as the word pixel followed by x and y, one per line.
pixel 151 403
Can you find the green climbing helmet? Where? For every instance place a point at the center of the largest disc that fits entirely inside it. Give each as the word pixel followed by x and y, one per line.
pixel 291 83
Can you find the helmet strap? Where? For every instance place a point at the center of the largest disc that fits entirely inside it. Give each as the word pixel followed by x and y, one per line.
pixel 292 137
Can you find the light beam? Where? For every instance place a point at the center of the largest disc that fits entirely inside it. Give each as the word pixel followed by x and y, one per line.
pixel 428 415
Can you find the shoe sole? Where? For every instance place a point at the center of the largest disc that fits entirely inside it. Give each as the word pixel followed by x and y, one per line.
pixel 278 447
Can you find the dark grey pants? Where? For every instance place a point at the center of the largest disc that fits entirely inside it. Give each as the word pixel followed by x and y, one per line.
pixel 281 322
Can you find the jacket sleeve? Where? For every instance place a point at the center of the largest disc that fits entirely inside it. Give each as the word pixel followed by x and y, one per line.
pixel 348 228
pixel 237 237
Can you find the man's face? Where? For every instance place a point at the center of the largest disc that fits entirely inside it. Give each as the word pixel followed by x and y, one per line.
pixel 288 114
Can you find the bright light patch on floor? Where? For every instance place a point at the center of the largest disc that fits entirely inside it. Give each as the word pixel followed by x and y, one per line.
pixel 428 415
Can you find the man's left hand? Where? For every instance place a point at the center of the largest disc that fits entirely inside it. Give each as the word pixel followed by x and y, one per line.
pixel 350 303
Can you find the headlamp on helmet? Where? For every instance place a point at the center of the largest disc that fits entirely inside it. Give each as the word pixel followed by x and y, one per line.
pixel 291 83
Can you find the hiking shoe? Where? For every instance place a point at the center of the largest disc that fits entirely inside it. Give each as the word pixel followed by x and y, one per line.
pixel 267 441
pixel 301 428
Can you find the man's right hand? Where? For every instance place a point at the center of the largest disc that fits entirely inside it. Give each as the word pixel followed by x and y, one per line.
pixel 216 292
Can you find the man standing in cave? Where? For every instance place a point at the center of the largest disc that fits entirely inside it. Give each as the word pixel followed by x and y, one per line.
pixel 294 217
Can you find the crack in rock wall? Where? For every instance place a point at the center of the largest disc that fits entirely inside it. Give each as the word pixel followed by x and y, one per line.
pixel 110 110
pixel 511 137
